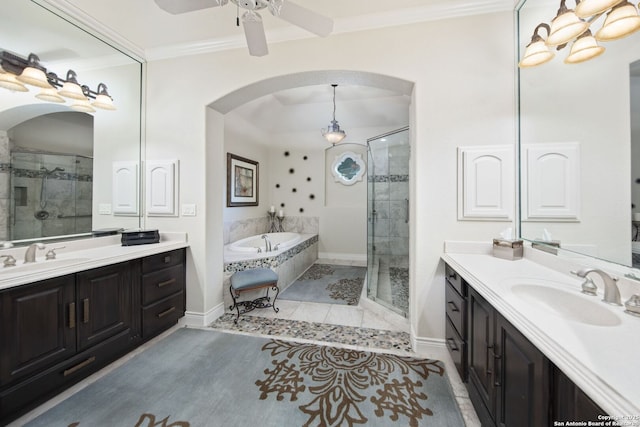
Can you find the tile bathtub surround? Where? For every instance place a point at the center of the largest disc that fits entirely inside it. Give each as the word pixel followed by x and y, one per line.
pixel 238 230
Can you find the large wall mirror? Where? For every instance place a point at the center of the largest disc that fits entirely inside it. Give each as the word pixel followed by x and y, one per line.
pixel 57 164
pixel 580 144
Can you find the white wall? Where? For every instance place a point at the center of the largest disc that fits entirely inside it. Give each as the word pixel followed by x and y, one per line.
pixel 464 95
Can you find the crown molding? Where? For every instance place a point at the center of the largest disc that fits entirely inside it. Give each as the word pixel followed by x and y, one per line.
pixel 432 12
pixel 93 26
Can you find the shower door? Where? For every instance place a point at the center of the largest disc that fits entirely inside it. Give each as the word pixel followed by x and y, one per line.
pixel 388 220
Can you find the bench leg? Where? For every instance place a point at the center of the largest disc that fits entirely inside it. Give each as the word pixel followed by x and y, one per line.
pixel 235 303
pixel 247 306
pixel 273 304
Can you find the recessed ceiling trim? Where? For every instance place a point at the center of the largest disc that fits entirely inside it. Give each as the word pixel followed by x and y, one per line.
pixel 433 12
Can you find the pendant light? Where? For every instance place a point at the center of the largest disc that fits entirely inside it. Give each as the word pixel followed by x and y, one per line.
pixel 620 22
pixel 537 52
pixel 333 134
pixel 584 48
pixel 9 81
pixel 103 100
pixel 565 26
pixel 71 89
pixel 587 8
pixel 33 74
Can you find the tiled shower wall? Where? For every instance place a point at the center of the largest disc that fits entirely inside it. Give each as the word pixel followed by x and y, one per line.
pixel 65 205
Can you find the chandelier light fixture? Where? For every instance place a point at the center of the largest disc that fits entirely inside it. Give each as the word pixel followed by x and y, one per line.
pixel 333 134
pixel 622 19
pixel 17 72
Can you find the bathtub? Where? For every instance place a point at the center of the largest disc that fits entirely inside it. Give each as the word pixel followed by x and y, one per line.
pixel 253 243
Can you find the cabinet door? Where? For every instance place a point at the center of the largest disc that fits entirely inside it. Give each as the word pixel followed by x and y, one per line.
pixel 521 380
pixel 480 337
pixel 104 303
pixel 571 403
pixel 37 327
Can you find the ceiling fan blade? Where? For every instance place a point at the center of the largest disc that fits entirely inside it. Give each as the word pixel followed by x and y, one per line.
pixel 254 33
pixel 177 7
pixel 302 17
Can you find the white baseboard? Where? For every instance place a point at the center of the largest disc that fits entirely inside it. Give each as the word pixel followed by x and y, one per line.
pixel 433 348
pixel 199 320
pixel 361 258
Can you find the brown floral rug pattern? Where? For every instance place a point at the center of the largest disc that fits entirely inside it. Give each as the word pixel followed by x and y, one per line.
pixel 338 379
pixel 347 290
pixel 316 272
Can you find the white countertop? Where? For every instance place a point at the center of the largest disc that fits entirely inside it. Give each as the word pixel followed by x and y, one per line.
pixel 601 360
pixel 81 255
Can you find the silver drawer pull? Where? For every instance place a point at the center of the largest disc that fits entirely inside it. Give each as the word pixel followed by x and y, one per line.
pixel 166 283
pixel 452 344
pixel 166 312
pixel 79 366
pixel 72 315
pixel 453 306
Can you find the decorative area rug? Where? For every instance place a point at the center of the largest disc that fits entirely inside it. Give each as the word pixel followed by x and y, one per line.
pixel 208 378
pixel 330 284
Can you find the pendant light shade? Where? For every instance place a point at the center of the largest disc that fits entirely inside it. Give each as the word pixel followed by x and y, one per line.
pixel 83 106
pixel 565 26
pixel 621 21
pixel 537 51
pixel 333 133
pixel 71 89
pixel 9 81
pixel 34 74
pixel 50 95
pixel 584 48
pixel 103 100
pixel 587 8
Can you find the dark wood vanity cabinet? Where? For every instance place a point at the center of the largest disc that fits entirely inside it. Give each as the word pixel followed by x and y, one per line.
pixel 456 320
pixel 55 332
pixel 510 382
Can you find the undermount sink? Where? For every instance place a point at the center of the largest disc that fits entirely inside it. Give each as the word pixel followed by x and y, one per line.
pixel 570 305
pixel 21 268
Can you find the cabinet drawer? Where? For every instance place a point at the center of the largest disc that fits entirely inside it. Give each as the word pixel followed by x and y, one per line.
pixel 457 349
pixel 455 280
pixel 162 283
pixel 163 260
pixel 456 309
pixel 162 315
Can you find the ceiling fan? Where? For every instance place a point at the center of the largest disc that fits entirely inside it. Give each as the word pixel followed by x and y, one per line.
pixel 252 21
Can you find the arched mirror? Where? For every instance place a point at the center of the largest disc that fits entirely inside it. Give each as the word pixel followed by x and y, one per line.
pixel 57 161
pixel 579 142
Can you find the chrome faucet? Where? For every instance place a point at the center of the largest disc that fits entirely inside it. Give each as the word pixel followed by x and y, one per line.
pixel 611 291
pixel 267 243
pixel 30 254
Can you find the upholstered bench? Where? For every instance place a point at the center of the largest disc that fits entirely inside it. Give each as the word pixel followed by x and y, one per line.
pixel 250 280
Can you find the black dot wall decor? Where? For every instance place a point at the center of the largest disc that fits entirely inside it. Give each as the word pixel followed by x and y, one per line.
pixel 308 179
pixel 293 190
pixel 312 196
pixel 301 210
pixel 637 180
pixel 282 205
pixel 305 158
pixel 277 185
pixel 292 171
pixel 286 154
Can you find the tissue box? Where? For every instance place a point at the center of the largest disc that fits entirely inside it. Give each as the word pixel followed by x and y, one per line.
pixel 550 246
pixel 139 237
pixel 507 249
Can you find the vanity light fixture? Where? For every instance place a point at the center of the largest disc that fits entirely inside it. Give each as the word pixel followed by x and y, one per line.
pixel 16 72
pixel 584 48
pixel 333 134
pixel 622 19
pixel 537 51
pixel 620 22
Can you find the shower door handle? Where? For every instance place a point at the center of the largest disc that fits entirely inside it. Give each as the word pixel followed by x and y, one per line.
pixel 406 218
pixel 374 215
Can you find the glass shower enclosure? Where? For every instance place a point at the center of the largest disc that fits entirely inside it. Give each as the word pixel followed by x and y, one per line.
pixel 388 220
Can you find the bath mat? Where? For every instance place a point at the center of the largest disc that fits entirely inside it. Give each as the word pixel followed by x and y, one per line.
pixel 330 284
pixel 197 378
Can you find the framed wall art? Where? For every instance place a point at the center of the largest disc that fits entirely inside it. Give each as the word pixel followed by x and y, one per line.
pixel 242 181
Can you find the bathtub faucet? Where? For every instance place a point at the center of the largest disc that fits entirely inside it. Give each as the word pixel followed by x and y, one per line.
pixel 267 243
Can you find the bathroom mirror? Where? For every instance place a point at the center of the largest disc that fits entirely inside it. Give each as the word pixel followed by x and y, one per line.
pixel 56 164
pixel 576 144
